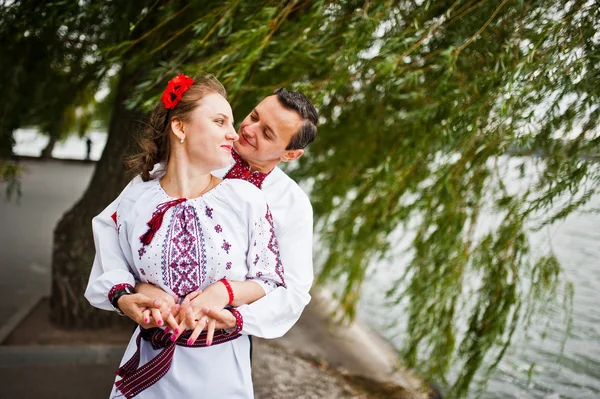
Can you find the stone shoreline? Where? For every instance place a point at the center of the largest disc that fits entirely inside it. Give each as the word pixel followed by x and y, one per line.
pixel 319 359
pixel 277 373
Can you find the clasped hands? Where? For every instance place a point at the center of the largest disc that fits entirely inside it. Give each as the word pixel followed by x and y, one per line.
pixel 151 307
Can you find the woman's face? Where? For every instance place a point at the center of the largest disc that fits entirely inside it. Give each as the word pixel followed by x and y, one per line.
pixel 209 133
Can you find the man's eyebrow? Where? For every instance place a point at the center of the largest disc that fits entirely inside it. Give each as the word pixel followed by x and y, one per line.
pixel 266 126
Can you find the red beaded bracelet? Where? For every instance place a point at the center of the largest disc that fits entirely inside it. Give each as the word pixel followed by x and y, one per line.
pixel 229 290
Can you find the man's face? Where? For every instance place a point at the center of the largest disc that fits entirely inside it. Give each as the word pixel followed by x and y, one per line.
pixel 266 132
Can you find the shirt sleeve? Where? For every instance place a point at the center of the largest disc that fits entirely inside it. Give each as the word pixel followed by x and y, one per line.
pixel 263 260
pixel 110 268
pixel 274 314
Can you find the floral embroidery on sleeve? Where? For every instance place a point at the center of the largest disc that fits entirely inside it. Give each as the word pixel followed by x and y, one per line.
pixel 264 255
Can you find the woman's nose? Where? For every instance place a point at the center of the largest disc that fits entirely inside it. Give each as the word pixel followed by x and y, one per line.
pixel 232 135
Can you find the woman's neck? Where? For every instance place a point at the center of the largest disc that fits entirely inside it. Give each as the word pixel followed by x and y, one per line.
pixel 183 180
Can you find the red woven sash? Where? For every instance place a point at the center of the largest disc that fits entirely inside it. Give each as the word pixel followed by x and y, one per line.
pixel 135 379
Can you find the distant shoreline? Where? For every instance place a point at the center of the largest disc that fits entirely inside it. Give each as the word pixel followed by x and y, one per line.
pixel 53 159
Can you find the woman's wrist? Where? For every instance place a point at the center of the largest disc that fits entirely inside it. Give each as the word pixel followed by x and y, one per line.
pixel 230 294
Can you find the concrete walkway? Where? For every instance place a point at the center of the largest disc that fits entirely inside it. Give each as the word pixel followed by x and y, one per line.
pixel 26 226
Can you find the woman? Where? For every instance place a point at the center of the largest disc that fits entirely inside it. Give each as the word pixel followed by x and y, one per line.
pixel 182 232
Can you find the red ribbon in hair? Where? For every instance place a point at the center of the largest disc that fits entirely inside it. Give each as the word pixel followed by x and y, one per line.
pixel 157 219
pixel 175 89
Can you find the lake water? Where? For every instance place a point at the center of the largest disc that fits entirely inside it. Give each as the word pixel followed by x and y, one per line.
pixel 575 374
pixel 30 143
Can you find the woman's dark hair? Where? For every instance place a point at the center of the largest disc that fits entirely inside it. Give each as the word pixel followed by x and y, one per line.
pixel 154 141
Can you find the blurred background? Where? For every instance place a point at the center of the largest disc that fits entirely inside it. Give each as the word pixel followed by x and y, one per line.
pixel 454 179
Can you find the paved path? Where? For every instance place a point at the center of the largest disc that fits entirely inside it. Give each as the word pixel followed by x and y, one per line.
pixel 49 189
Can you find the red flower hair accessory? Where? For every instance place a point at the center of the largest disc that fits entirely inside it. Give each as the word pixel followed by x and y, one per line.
pixel 175 89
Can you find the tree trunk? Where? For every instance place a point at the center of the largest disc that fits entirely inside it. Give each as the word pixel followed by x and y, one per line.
pixel 47 152
pixel 73 250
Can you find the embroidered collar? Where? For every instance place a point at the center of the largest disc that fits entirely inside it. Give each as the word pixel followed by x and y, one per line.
pixel 241 170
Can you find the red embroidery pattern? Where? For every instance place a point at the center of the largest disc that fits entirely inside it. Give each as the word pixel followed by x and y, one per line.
pixel 239 320
pixel 226 246
pixel 184 252
pixel 274 247
pixel 241 170
pixel 116 288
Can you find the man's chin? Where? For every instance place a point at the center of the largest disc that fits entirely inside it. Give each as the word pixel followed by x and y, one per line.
pixel 241 148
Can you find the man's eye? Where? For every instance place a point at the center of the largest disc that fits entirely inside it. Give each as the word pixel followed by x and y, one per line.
pixel 266 134
pixel 253 118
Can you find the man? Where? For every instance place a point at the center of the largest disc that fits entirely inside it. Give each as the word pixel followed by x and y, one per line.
pixel 277 130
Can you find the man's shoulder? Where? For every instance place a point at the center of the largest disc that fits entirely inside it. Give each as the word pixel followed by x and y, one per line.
pixel 240 196
pixel 243 189
pixel 280 189
pixel 139 191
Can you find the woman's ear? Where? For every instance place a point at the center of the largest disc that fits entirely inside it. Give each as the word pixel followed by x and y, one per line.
pixel 177 128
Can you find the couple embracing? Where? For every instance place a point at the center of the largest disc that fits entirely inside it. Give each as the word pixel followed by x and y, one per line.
pixel 195 247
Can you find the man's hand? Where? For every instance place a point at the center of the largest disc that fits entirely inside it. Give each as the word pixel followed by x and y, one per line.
pixel 214 296
pixel 134 305
pixel 191 315
pixel 165 313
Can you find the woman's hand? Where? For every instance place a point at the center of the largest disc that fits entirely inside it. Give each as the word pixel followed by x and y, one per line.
pixel 156 317
pixel 192 316
pixel 223 318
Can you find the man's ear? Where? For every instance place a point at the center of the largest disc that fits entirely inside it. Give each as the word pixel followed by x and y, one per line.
pixel 291 155
pixel 177 128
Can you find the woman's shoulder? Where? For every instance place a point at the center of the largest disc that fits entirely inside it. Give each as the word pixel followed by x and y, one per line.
pixel 242 188
pixel 240 194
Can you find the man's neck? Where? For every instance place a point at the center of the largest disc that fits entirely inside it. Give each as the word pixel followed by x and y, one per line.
pixel 265 168
pixel 262 169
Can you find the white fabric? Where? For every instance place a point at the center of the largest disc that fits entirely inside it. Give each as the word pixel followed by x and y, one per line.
pixel 273 315
pixel 226 232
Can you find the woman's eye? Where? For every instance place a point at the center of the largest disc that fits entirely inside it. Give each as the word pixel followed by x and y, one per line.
pixel 220 122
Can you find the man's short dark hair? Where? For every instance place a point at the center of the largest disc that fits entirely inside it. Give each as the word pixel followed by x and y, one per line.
pixel 298 102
